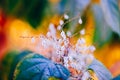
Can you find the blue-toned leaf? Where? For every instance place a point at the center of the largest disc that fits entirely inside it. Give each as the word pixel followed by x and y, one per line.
pixel 16 60
pixel 103 32
pixel 100 70
pixel 37 67
pixel 111 12
pixel 116 78
pixel 73 6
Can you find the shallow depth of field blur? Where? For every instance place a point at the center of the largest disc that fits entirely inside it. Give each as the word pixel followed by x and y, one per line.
pixel 22 21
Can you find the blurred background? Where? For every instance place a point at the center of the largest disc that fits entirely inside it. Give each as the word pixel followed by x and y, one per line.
pixel 22 22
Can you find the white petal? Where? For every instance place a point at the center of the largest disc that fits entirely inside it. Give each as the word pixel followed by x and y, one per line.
pixel 69 33
pixel 80 21
pixel 32 39
pixel 61 22
pixel 82 32
pixel 59 27
pixel 66 16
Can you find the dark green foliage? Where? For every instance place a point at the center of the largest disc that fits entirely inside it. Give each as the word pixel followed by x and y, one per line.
pixel 32 11
pixel 37 67
pixel 6 64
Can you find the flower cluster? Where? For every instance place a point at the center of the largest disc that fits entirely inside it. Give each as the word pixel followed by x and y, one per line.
pixel 76 57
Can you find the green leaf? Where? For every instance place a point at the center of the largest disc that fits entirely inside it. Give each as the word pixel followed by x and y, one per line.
pixel 37 67
pixel 6 64
pixel 100 70
pixel 32 11
pixel 37 12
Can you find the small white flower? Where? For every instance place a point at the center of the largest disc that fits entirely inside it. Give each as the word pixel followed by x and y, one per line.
pixel 59 27
pixel 80 21
pixel 58 52
pixel 81 41
pixel 66 42
pixel 63 35
pixel 60 41
pixel 73 65
pixel 79 67
pixel 65 60
pixel 44 43
pixel 63 48
pixel 66 16
pixel 69 33
pixel 92 48
pixel 32 39
pixel 66 65
pixel 82 32
pixel 52 29
pixel 76 56
pixel 61 22
pixel 48 34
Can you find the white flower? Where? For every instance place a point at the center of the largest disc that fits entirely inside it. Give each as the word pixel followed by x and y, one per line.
pixel 92 48
pixel 61 22
pixel 32 39
pixel 69 33
pixel 63 35
pixel 81 41
pixel 44 43
pixel 63 48
pixel 77 56
pixel 66 16
pixel 60 41
pixel 58 52
pixel 65 60
pixel 48 34
pixel 82 32
pixel 66 65
pixel 52 29
pixel 59 27
pixel 80 21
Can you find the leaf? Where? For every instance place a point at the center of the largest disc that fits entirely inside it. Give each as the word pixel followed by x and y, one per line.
pixel 53 78
pixel 37 12
pixel 37 67
pixel 111 12
pixel 74 7
pixel 32 11
pixel 9 63
pixel 16 60
pixel 103 32
pixel 100 70
pixel 6 64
